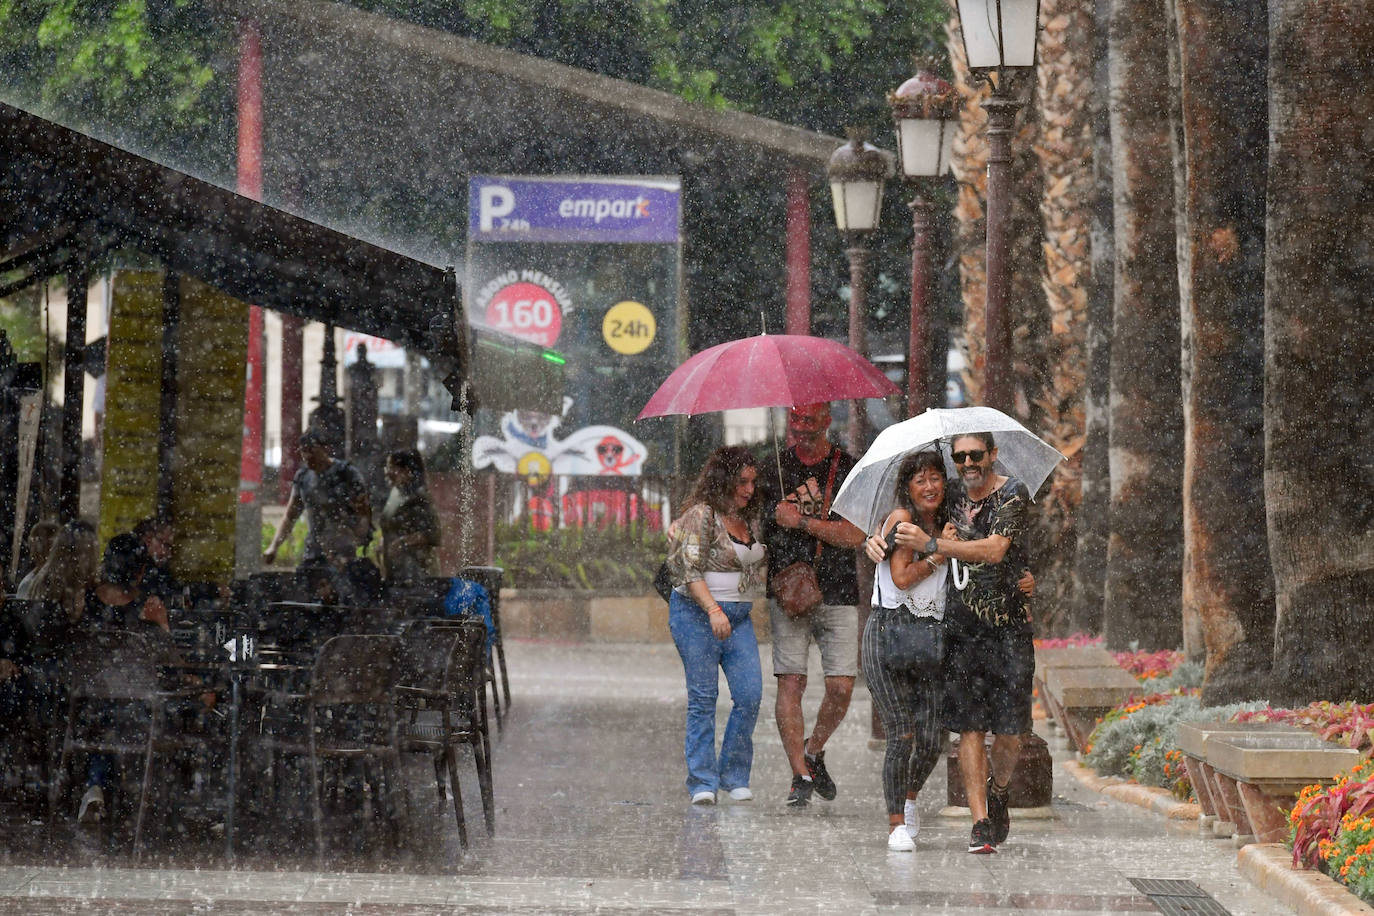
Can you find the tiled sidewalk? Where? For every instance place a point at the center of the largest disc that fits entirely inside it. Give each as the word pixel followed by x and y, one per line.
pixel 593 817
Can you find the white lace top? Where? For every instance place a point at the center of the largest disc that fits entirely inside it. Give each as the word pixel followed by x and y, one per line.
pixel 924 599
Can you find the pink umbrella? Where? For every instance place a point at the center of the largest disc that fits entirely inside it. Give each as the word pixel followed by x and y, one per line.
pixel 771 370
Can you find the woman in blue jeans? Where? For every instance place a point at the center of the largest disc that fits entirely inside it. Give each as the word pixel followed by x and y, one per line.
pixel 718 566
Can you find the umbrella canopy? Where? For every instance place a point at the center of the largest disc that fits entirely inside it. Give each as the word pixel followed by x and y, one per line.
pixel 771 370
pixel 867 495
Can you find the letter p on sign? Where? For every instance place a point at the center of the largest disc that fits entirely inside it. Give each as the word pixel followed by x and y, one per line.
pixel 493 200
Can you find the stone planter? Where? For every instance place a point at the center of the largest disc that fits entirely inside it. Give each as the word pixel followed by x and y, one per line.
pixel 591 616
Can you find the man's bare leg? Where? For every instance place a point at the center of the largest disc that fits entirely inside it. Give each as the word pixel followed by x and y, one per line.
pixel 835 703
pixel 791 727
pixel 973 767
pixel 1006 750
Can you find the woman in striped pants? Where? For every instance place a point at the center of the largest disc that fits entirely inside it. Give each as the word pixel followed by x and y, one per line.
pixel 903 644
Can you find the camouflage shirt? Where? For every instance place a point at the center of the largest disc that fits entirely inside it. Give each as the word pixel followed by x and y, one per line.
pixel 698 543
pixel 991 594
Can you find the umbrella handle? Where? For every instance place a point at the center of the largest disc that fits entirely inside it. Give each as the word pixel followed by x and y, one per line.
pixel 954 570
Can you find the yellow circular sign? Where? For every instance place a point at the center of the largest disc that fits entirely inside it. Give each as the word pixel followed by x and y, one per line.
pixel 629 327
pixel 534 467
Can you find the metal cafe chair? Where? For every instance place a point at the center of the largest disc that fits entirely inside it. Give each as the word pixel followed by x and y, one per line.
pixel 348 715
pixel 116 705
pixel 441 675
pixel 489 577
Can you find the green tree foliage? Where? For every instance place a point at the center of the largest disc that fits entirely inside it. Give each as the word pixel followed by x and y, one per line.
pixel 815 63
pixel 143 67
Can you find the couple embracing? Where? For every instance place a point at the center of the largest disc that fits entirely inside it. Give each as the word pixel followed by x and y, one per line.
pixel 948 644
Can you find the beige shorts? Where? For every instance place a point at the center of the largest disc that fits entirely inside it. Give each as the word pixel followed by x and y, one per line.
pixel 833 627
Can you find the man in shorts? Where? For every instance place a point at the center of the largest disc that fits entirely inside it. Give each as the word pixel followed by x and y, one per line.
pixel 801 528
pixel 989 656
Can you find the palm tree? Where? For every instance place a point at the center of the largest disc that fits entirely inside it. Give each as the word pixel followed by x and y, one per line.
pixel 1092 527
pixel 1064 90
pixel 1223 49
pixel 1318 349
pixel 1144 557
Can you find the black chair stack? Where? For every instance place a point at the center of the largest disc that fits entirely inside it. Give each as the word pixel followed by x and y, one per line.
pixel 438 695
pixel 346 713
pixel 490 577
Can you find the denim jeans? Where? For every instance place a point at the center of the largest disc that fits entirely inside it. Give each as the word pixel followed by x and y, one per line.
pixel 703 657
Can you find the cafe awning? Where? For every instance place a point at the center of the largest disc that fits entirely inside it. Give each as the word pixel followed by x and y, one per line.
pixel 66 198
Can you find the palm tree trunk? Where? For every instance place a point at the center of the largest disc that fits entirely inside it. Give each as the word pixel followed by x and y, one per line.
pixel 1090 559
pixel 1144 555
pixel 1318 349
pixel 1064 89
pixel 1226 583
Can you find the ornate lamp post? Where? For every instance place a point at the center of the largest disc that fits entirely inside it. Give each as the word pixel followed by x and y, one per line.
pixel 922 108
pixel 856 172
pixel 999 41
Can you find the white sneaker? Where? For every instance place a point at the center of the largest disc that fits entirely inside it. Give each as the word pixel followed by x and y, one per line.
pixel 741 794
pixel 92 806
pixel 704 797
pixel 899 840
pixel 913 817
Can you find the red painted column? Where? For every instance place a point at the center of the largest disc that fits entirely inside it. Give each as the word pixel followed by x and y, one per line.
pixel 798 253
pixel 250 185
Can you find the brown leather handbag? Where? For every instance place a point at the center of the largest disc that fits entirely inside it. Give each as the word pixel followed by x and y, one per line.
pixel 795 586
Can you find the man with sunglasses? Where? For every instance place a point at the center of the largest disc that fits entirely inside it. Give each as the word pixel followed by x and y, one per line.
pixel 989 655
pixel 803 529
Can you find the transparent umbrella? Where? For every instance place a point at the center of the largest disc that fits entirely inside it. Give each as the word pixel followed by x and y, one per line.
pixel 867 494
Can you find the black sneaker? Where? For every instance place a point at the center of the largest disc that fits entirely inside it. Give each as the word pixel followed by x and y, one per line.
pixel 980 843
pixel 998 813
pixel 820 776
pixel 801 792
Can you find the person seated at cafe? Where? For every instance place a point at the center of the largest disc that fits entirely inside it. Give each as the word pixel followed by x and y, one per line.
pixel 40 541
pixel 333 496
pixel 71 570
pixel 156 534
pixel 118 602
pixel 409 523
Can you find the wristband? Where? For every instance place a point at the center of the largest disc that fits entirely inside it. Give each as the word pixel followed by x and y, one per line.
pixel 934 567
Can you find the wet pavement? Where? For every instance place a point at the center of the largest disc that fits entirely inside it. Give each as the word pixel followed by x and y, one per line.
pixel 593 816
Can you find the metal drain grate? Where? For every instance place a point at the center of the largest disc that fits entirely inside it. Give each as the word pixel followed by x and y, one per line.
pixel 1179 898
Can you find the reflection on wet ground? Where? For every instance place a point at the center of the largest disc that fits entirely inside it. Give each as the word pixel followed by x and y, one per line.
pixel 592 816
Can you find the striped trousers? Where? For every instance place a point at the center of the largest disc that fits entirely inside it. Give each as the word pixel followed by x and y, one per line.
pixel 903 664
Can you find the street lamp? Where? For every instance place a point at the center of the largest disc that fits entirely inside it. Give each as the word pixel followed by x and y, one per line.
pixel 856 172
pixel 923 108
pixel 999 42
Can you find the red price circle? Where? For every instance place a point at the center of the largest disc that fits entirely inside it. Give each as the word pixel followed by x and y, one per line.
pixel 526 310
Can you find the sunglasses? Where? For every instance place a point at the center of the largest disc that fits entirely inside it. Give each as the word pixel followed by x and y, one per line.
pixel 975 456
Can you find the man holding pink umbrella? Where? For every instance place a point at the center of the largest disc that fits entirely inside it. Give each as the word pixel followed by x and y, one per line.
pixel 803 529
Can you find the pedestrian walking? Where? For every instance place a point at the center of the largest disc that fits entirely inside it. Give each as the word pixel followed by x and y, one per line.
pixel 802 529
pixel 717 562
pixel 333 496
pixel 903 646
pixel 989 655
pixel 409 523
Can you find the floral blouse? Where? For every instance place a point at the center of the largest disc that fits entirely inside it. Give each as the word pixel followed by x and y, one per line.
pixel 698 543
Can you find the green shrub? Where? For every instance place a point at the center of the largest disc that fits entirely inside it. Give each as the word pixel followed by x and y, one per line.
pixel 1136 741
pixel 1185 676
pixel 291 549
pixel 579 558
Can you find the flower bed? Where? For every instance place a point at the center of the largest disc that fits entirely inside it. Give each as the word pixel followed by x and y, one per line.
pixel 1333 830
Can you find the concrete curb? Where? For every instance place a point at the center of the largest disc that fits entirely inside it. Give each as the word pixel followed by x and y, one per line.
pixel 1155 799
pixel 1268 866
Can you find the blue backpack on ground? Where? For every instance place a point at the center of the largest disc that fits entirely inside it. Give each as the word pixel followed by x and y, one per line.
pixel 466 598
